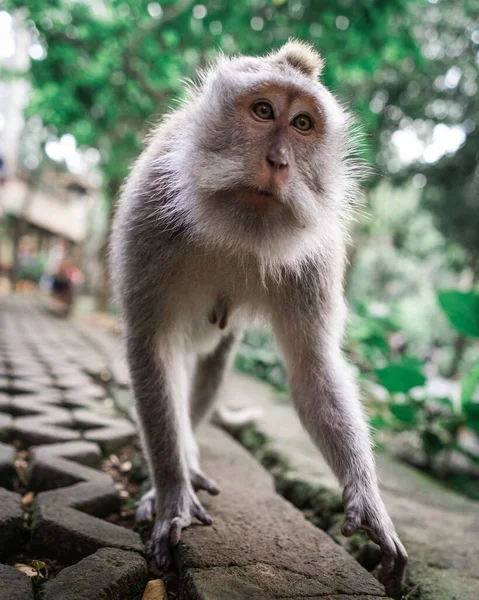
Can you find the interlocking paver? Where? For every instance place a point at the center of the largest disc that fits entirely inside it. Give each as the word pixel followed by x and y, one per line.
pixel 15 585
pixel 60 465
pixel 259 547
pixel 12 533
pixel 7 468
pixel 110 433
pixel 109 573
pixel 66 524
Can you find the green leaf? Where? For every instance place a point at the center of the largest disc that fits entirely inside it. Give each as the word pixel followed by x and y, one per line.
pixel 444 401
pixel 378 422
pixel 400 377
pixel 462 310
pixel 469 385
pixel 404 412
pixel 471 410
pixel 474 425
pixel 432 443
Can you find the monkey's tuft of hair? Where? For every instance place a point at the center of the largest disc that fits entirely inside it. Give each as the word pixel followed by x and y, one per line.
pixel 302 57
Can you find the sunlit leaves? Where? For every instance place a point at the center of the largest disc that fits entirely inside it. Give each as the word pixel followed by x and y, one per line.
pixel 121 63
pixel 404 412
pixel 400 377
pixel 462 310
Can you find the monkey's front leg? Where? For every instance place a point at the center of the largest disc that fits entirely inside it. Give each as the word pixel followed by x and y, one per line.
pixel 156 379
pixel 327 402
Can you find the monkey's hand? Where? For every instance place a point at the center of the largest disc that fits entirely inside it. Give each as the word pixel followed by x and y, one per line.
pixel 177 512
pixel 365 510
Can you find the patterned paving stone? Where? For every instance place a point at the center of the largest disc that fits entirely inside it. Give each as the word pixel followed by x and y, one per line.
pixel 66 524
pixel 110 433
pixel 6 426
pixel 7 468
pixel 12 533
pixel 60 465
pixel 51 425
pixel 15 585
pixel 107 574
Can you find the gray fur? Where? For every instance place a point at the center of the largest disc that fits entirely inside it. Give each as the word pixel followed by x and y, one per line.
pixel 193 264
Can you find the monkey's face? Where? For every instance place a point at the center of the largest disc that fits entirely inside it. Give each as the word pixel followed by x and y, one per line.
pixel 280 129
pixel 268 161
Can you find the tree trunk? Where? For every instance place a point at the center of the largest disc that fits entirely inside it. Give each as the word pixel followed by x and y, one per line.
pixel 104 290
pixel 459 349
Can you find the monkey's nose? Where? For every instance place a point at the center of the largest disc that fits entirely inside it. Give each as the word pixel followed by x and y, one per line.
pixel 278 158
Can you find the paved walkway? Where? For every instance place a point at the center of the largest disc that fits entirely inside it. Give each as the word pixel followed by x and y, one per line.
pixel 57 421
pixel 439 528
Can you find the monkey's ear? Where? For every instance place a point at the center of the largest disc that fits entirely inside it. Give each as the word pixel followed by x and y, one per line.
pixel 301 56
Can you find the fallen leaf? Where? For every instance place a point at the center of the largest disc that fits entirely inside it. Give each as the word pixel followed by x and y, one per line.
pixel 26 569
pixel 21 467
pixel 28 498
pixel 155 590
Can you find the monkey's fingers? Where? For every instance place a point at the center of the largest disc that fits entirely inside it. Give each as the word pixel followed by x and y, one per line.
pixel 201 482
pixel 393 563
pixel 160 548
pixel 201 514
pixel 179 523
pixel 351 524
pixel 146 508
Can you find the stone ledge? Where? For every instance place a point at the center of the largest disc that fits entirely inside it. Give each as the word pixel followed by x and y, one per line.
pixel 259 547
pixel 439 528
pixel 12 533
pixel 14 585
pixel 109 573
pixel 7 467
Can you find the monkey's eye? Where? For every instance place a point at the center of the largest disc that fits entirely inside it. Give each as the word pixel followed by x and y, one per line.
pixel 263 110
pixel 302 123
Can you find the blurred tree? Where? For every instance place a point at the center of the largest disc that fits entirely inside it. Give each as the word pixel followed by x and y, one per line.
pixel 429 120
pixel 106 70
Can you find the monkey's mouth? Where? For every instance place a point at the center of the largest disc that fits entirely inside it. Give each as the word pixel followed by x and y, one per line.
pixel 258 199
pixel 262 192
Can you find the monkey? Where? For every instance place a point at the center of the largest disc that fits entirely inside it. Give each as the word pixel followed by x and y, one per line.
pixel 238 210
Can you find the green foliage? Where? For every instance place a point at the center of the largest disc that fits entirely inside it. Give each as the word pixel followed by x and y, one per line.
pixel 469 385
pixel 436 421
pixel 368 336
pixel 406 413
pixel 112 68
pixel 258 356
pixel 444 93
pixel 400 377
pixel 462 310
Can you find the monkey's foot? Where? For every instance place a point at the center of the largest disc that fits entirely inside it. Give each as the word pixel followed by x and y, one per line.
pixel 167 531
pixel 199 481
pixel 236 418
pixel 369 513
pixel 146 508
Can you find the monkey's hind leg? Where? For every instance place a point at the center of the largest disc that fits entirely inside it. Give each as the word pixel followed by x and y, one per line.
pixel 208 377
pixel 159 382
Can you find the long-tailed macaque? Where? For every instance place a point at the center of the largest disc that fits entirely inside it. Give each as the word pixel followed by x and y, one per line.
pixel 237 209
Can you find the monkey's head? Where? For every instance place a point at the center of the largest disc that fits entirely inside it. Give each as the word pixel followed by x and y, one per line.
pixel 267 148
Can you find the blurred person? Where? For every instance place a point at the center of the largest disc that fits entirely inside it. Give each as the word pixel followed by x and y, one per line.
pixel 29 266
pixel 64 275
pixel 3 170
